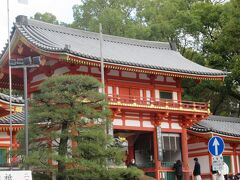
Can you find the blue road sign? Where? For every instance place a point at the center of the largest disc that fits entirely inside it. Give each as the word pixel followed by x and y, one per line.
pixel 216 146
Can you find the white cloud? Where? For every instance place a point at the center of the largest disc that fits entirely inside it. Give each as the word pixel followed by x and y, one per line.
pixel 62 9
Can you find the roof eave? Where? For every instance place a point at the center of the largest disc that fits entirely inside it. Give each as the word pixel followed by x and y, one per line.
pixel 72 56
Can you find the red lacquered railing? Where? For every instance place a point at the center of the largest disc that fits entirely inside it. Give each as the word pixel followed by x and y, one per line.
pixel 154 102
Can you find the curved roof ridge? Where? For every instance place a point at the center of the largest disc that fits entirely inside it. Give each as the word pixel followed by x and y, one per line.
pixel 95 35
pixel 30 36
pixel 218 124
pixel 17 118
pixel 224 118
pixel 16 100
pixel 116 50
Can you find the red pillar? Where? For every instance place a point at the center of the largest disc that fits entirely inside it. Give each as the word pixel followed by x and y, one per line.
pixel 234 146
pixel 130 149
pixel 185 154
pixel 210 165
pixel 157 162
pixel 14 140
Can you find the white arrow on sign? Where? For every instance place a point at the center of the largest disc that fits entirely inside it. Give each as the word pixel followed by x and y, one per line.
pixel 216 144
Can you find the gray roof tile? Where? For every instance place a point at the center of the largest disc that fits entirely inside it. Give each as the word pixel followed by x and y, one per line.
pixel 119 50
pixel 15 100
pixel 17 118
pixel 219 124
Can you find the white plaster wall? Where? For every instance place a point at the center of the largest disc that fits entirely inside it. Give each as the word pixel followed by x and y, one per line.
pixel 143 76
pixel 3 135
pixel 110 91
pixel 147 124
pixel 197 145
pixel 164 125
pixel 135 123
pixel 160 78
pixel 175 96
pixel 39 77
pixel 157 94
pixel 95 70
pixel 113 73
pixel 5 142
pixel 83 69
pixel 61 70
pixel 204 162
pixel 176 126
pixel 51 62
pixel 129 74
pixel 227 145
pixel 118 122
pixel 170 79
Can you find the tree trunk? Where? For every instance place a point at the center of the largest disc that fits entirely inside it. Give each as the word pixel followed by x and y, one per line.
pixel 62 152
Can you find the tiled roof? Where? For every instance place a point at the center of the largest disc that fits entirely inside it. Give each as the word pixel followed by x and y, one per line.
pixel 116 50
pixel 219 124
pixel 16 101
pixel 17 118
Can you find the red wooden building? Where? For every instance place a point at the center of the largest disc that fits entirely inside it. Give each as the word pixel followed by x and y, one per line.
pixel 142 80
pixel 17 106
pixel 199 135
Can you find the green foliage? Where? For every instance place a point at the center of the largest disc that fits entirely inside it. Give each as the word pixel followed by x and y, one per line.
pixel 116 17
pixel 122 174
pixel 206 32
pixel 15 93
pixel 67 127
pixel 46 17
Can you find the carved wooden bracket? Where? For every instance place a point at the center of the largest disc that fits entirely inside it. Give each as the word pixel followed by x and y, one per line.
pixel 234 145
pixel 43 60
pixel 115 112
pixel 73 68
pixel 157 118
pixel 188 120
pixel 49 71
pixel 1 73
pixel 152 77
pixel 20 48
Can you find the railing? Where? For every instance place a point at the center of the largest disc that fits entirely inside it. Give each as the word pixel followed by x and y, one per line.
pixel 167 164
pixel 154 102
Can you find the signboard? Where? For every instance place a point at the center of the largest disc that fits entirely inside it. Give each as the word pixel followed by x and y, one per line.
pixel 217 163
pixel 159 142
pixel 15 175
pixel 216 146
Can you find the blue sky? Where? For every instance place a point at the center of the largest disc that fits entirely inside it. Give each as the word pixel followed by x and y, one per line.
pixel 62 9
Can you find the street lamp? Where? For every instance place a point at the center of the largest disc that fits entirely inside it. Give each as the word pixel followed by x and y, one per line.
pixel 27 62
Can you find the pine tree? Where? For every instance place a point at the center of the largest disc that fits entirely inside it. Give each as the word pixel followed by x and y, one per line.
pixel 68 118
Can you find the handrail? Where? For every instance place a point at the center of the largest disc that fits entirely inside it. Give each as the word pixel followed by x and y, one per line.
pixel 158 102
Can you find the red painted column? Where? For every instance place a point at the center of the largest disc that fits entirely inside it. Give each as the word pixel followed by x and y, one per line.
pixel 157 162
pixel 234 146
pixel 210 165
pixel 14 140
pixel 130 149
pixel 185 154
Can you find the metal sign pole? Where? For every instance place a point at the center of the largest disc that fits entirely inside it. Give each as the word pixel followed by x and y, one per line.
pixel 25 109
pixel 102 60
pixel 10 87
